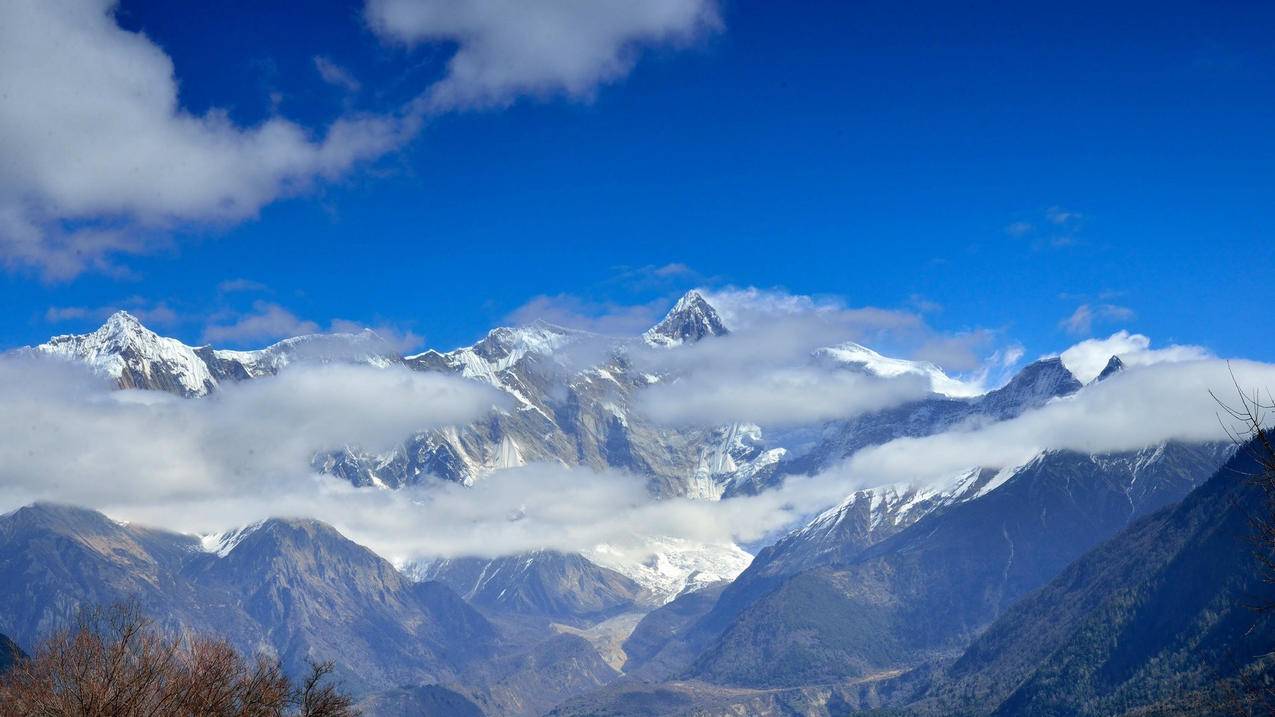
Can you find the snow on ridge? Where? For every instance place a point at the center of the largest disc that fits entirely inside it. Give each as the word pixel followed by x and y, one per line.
pixel 671 566
pixel 221 544
pixel 887 367
pixel 104 350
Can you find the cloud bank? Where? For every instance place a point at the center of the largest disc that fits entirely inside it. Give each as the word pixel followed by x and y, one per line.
pixel 243 455
pixel 1139 407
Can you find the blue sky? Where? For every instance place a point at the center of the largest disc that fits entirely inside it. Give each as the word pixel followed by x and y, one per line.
pixel 994 167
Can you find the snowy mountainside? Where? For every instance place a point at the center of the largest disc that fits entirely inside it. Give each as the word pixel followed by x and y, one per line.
pixel 854 354
pixel 136 357
pixel 691 319
pixel 573 404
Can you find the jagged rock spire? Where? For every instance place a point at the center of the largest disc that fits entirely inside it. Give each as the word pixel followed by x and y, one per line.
pixel 691 319
pixel 1114 366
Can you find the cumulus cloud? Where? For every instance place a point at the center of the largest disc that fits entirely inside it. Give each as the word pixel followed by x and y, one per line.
pixel 506 48
pixel 1086 359
pixel 100 157
pixel 1082 320
pixel 102 161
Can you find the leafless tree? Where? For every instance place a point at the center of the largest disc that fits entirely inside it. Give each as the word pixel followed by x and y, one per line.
pixel 1248 414
pixel 1253 693
pixel 115 663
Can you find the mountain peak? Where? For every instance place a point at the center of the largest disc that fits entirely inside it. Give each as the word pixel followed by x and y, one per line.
pixel 1038 383
pixel 1113 367
pixel 122 318
pixel 135 357
pixel 691 319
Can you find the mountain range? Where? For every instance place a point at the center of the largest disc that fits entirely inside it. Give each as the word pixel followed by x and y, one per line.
pixel 982 593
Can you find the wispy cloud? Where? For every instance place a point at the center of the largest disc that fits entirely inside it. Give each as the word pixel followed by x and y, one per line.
pixel 1019 229
pixel 1082 321
pixel 152 313
pixel 1059 216
pixel 601 317
pixel 241 285
pixel 267 321
pixel 1055 228
pixel 335 75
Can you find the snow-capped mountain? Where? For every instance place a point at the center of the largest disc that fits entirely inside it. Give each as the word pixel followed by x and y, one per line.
pixel 136 357
pixel 573 396
pixel 676 565
pixel 691 319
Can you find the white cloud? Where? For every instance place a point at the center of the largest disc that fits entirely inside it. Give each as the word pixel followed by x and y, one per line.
pixel 776 396
pixel 397 340
pixel 768 370
pixel 243 455
pixel 1143 406
pixel 1086 359
pixel 211 464
pixel 154 314
pixel 102 161
pixel 77 440
pixel 606 318
pixel 267 322
pixel 1082 320
pixel 742 309
pixel 962 351
pixel 92 133
pixel 509 48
